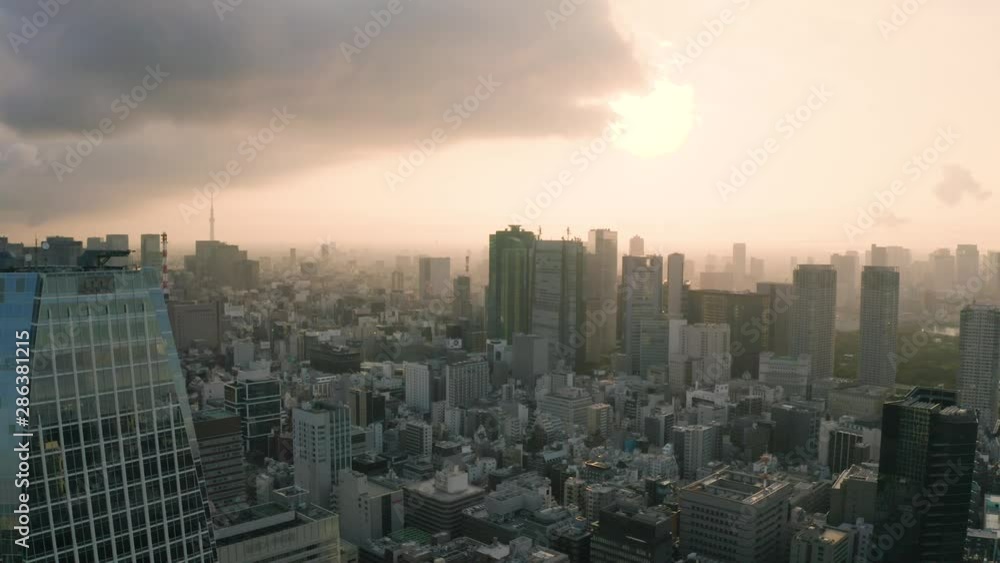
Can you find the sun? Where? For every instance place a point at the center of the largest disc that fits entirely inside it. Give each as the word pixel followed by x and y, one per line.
pixel 657 123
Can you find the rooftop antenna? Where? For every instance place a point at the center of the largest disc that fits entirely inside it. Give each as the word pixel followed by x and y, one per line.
pixel 211 220
pixel 467 254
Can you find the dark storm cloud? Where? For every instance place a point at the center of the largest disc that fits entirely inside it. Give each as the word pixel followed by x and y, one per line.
pixel 956 184
pixel 227 70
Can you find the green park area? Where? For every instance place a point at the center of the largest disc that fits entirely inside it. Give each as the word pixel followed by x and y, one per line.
pixel 923 359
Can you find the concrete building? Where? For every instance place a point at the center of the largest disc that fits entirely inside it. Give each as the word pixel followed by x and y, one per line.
pixel 791 374
pixel 744 313
pixel 288 531
pixel 599 419
pixel 817 544
pixel 196 324
pixel 653 344
pixel 417 383
pixel 436 505
pixel 636 246
pixel 150 253
pixel 695 446
pixel 529 360
pixel 863 403
pixel 558 300
pixel 642 300
pixel 466 382
pixel 733 517
pixel 256 398
pixel 418 438
pixel 628 534
pixel 601 293
pixel 739 266
pixel 702 356
pixel 434 277
pixel 847 267
pixel 879 324
pixel 374 508
pixel 966 263
pixel 843 443
pixel 221 444
pixel 675 286
pixel 979 362
pixel 853 496
pixel 569 404
pixel 322 449
pixel 814 316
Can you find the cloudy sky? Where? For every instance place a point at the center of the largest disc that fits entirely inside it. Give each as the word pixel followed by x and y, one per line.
pixel 434 122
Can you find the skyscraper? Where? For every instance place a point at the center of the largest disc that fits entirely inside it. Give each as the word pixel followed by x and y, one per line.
pixel 966 263
pixel 466 382
pixel 739 266
pixel 675 286
pixel 846 266
pixel 642 299
pixel 979 362
pixel 601 287
pixel 814 316
pixel 744 313
pixel 433 277
pixel 557 310
pixel 150 255
pixel 942 270
pixel 636 246
pixel 508 295
pixel 925 478
pixel 879 321
pixel 115 474
pixel 775 327
pixel 417 379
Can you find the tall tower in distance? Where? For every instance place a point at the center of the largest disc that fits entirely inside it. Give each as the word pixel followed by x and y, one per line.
pixel 814 317
pixel 636 246
pixel 979 362
pixel 211 219
pixel 879 323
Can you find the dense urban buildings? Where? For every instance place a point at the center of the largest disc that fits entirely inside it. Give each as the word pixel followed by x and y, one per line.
pixel 879 322
pixel 814 317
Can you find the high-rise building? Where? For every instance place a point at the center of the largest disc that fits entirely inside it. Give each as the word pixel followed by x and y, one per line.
pixel 461 307
pixel 417 382
pixel 796 432
pixel 653 344
pixel 115 471
pixel 733 517
pixel 433 277
pixel 418 438
pixel 852 496
pixel 814 316
pixel 702 356
pixel 322 449
pixel 196 324
pixel 529 360
pixel 756 271
pixel 568 404
pixel 739 266
pixel 508 295
pixel 256 398
pixel 601 292
pixel 642 299
pixel 744 313
pixel 775 327
pixel 791 374
pixel 695 446
pixel 466 382
pixel 846 266
pixel 675 286
pixel 150 255
pixel 879 321
pixel 942 270
pixel 221 445
pixel 636 246
pixel 966 263
pixel 979 362
pixel 925 478
pixel 367 407
pixel 558 306
pixel 117 242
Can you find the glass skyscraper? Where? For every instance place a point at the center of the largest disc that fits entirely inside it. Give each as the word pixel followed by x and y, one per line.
pixel 115 473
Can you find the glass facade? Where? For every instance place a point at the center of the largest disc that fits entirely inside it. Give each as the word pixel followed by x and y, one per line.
pixel 115 473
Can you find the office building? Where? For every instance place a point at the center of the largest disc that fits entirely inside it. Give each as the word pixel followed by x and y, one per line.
pixel 417 381
pixel 702 356
pixel 601 293
pixel 636 246
pixel 461 307
pixel 529 360
pixel 433 277
pixel 942 265
pixel 367 407
pixel 879 323
pixel 863 403
pixel 196 324
pixel 558 306
pixel 979 362
pixel 756 271
pixel 814 316
pixel 653 344
pixel 372 508
pixel 739 266
pixel 321 435
pixel 599 419
pixel 820 544
pixel 150 254
pixel 256 398
pixel 568 404
pixel 846 266
pixel 121 477
pixel 966 264
pixel 221 445
pixel 417 438
pixel 775 326
pixel 436 505
pixel 843 443
pixel 628 534
pixel 929 444
pixel 222 264
pixel 791 374
pixel 675 286
pixel 695 446
pixel 508 294
pixel 853 496
pixel 642 300
pixel 286 529
pixel 117 242
pixel 466 382
pixel 733 517
pixel 743 312
pixel 796 432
